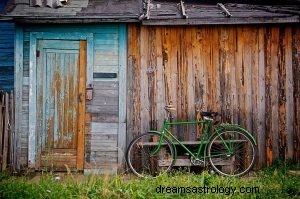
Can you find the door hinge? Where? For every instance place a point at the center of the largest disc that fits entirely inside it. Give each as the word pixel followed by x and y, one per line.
pixel 37 53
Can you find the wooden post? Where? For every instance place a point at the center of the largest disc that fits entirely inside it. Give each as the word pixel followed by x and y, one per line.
pixel 5 136
pixel 13 145
pixel 81 106
pixel 1 129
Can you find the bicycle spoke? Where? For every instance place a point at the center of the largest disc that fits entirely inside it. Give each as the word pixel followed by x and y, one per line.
pixel 141 159
pixel 231 153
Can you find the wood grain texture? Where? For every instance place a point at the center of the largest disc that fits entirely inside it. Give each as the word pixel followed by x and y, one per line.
pixel 247 73
pixel 81 105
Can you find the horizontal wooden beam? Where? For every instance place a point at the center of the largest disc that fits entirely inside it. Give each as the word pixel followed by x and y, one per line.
pixel 225 21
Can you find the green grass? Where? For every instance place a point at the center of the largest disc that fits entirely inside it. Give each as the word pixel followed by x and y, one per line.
pixel 273 182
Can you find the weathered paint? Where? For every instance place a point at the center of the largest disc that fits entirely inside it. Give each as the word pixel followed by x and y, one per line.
pixel 18 71
pixel 249 74
pixel 7 36
pixel 106 52
pixel 34 147
pixel 57 96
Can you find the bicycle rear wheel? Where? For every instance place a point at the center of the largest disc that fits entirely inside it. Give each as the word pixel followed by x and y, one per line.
pixel 231 153
pixel 143 162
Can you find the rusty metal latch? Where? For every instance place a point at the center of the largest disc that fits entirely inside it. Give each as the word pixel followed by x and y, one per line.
pixel 89 92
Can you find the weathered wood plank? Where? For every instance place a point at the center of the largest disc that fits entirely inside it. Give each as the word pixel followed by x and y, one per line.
pixel 282 131
pixel 290 105
pixel 32 103
pixel 81 105
pixel 247 56
pixel 296 89
pixel 160 89
pixel 2 105
pixel 122 95
pixel 5 133
pixel 261 100
pixel 268 96
pixel 144 95
pixel 234 69
pixel 103 128
pixel 190 83
pixel 274 91
pixel 107 109
pixel 255 83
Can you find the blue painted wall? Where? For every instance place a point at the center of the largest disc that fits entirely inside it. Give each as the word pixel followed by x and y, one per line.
pixel 7 36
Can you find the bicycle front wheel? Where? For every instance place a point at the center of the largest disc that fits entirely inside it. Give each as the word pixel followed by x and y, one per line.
pixel 142 159
pixel 231 153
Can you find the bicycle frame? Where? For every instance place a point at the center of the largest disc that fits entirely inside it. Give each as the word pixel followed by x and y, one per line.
pixel 166 132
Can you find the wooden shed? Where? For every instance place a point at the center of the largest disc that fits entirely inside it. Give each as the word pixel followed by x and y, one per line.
pixel 90 75
pixel 70 67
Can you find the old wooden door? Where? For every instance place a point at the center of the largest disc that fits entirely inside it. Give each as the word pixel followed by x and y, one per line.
pixel 61 73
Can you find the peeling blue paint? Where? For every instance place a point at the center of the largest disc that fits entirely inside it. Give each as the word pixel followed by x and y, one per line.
pixel 7 36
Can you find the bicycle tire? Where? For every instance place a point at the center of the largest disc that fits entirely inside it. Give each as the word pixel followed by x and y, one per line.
pixel 239 161
pixel 140 160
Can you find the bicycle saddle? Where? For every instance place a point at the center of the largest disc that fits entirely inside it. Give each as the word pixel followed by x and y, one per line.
pixel 208 114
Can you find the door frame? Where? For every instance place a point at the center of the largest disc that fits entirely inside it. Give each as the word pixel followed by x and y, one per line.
pixel 34 36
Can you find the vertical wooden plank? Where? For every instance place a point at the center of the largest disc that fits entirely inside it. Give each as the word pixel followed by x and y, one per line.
pixel 282 94
pixel 2 106
pixel 160 89
pixel 274 92
pixel 216 58
pixel 199 72
pixel 145 117
pixel 18 75
pixel 247 56
pixel 261 100
pixel 122 95
pixel 225 74
pixel 254 79
pixel 289 93
pixel 196 65
pixel 182 69
pixel 232 64
pixel 166 64
pixel 151 75
pixel 40 94
pixel 173 61
pixel 65 101
pixel 296 89
pixel 12 131
pixel 190 81
pixel 75 92
pixel 81 105
pixel 208 69
pixel 32 103
pixel 268 95
pixel 132 97
pixel 5 133
pixel 240 76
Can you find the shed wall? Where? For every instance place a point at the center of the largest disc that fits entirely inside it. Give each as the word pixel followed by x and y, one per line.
pixel 249 74
pixel 7 36
pixel 102 112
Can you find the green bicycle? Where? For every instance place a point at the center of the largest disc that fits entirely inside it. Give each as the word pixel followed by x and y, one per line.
pixel 229 149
